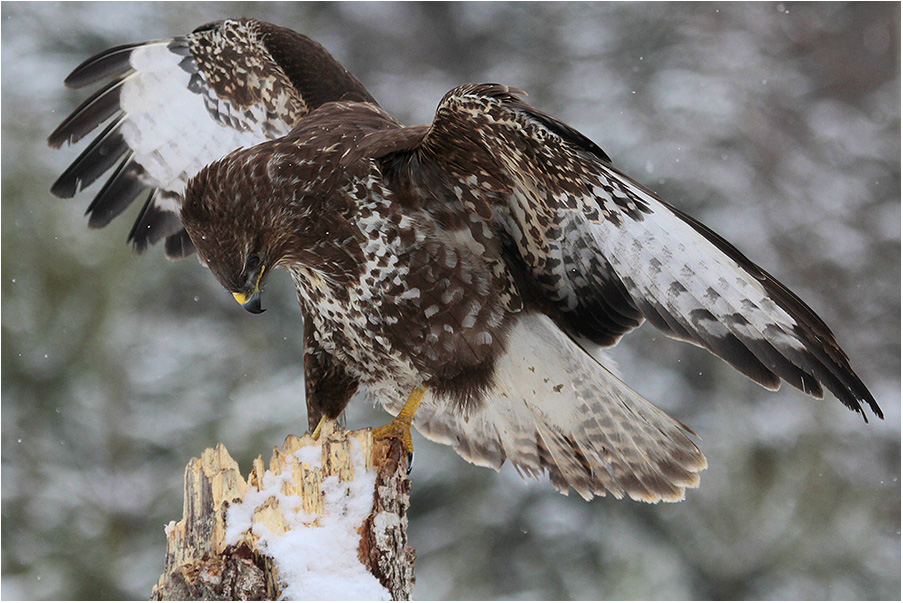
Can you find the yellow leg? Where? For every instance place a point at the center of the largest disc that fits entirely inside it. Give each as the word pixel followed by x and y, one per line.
pixel 400 427
pixel 316 434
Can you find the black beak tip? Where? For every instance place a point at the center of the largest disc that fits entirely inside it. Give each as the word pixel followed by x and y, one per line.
pixel 253 306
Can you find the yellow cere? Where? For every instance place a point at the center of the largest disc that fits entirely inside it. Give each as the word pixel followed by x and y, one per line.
pixel 243 298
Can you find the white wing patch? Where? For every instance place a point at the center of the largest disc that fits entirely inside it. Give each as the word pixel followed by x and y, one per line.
pixel 172 107
pixel 662 258
pixel 169 127
pixel 610 253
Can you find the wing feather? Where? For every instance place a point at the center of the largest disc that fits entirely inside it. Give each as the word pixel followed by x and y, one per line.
pixel 155 223
pixel 179 245
pixel 607 252
pixel 99 107
pixel 178 104
pixel 95 160
pixel 119 191
pixel 107 64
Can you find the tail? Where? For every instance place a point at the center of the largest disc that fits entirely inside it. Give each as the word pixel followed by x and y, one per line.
pixel 553 408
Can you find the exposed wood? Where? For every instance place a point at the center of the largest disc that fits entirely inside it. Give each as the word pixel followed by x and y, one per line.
pixel 213 554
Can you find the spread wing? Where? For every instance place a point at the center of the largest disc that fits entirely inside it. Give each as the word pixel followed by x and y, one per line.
pixel 175 105
pixel 608 253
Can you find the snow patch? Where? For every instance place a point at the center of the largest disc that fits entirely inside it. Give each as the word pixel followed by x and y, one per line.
pixel 317 556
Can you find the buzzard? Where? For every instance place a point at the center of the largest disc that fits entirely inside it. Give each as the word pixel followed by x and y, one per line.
pixel 459 272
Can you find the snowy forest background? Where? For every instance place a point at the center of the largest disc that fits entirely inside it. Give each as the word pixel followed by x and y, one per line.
pixel 778 125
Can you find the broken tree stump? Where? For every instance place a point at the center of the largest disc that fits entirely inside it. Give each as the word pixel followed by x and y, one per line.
pixel 327 520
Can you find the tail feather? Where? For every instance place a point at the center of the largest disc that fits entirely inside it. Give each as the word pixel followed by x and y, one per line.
pixel 555 409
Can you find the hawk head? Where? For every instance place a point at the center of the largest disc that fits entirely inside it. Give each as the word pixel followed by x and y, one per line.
pixel 229 219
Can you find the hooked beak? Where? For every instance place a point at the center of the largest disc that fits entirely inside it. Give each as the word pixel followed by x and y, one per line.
pixel 250 301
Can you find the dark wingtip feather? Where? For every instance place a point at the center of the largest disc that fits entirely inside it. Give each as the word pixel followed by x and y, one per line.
pixel 100 156
pixel 873 404
pixel 119 191
pixel 108 63
pixel 153 224
pixel 90 114
pixel 860 395
pixel 179 245
pixel 826 361
pixel 844 383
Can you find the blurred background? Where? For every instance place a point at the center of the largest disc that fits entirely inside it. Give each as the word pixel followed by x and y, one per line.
pixel 778 125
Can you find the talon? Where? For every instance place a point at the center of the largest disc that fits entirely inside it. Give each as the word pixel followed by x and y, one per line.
pixel 316 433
pixel 400 426
pixel 398 429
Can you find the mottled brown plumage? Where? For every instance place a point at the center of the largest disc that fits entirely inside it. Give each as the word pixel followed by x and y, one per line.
pixel 467 256
pixel 180 103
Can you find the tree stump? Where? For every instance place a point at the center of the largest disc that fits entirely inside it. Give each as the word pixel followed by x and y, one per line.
pixel 327 520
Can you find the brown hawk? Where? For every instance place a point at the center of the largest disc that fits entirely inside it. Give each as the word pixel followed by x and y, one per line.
pixel 465 266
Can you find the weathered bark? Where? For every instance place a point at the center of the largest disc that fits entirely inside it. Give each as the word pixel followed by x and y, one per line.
pixel 204 562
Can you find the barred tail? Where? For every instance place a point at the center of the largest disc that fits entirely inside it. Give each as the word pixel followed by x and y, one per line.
pixel 554 408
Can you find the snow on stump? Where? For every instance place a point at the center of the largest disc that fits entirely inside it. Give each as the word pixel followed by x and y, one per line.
pixel 326 521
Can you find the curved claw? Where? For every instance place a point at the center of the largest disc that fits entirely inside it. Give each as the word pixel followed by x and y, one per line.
pixel 399 430
pixel 400 426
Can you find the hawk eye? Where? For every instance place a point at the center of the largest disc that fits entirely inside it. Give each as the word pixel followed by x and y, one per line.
pixel 253 262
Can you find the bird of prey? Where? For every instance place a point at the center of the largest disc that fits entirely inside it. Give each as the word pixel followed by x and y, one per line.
pixel 459 272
